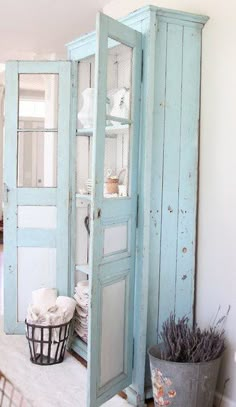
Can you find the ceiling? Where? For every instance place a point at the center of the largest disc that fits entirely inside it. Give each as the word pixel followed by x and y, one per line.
pixel 32 29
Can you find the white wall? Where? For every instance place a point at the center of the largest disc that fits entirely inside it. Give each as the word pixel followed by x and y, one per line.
pixel 2 92
pixel 216 280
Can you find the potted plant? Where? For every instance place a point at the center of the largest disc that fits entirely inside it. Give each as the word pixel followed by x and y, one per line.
pixel 185 365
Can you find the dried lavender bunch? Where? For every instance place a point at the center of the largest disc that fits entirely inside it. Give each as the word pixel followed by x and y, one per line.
pixel 186 344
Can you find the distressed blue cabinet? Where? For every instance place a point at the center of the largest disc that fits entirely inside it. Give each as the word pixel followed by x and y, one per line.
pixel 124 188
pixel 167 174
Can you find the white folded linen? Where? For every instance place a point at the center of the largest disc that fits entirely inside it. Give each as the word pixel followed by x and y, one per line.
pixel 81 316
pixel 54 311
pixel 82 312
pixel 82 287
pixel 81 301
pixel 53 316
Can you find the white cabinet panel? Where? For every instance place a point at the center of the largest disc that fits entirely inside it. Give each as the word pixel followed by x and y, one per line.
pixel 36 269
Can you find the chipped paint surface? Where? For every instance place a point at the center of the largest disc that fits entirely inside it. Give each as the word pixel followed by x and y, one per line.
pixel 163 391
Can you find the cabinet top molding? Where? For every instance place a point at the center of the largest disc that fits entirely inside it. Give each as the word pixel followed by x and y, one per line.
pixel 176 14
pixel 142 13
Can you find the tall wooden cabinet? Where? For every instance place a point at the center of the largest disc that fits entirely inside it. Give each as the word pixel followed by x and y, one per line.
pixel 122 189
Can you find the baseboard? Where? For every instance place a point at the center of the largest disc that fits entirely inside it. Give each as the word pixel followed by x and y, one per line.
pixel 226 402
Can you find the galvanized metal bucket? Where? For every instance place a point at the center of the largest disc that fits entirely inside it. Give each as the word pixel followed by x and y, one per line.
pixel 182 384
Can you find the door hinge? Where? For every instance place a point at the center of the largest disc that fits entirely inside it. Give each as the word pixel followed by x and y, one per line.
pixel 137 212
pixel 70 201
pixel 142 67
pixel 97 213
pixel 5 192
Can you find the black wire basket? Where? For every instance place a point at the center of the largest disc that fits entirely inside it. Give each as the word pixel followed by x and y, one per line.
pixel 10 395
pixel 47 344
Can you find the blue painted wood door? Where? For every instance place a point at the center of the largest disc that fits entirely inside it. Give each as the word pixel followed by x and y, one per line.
pixel 113 224
pixel 36 210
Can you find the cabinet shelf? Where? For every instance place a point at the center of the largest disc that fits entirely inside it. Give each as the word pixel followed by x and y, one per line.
pixel 111 131
pixel 84 268
pixel 85 197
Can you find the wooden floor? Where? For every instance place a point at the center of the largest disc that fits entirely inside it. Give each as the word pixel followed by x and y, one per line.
pixel 150 403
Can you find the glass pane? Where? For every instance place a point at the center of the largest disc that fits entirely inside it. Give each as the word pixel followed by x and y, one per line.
pixel 36 269
pixel 37 158
pixel 86 92
pixel 115 239
pixel 38 101
pixel 113 331
pixel 116 162
pixel 119 79
pixel 42 217
pixel 82 232
pixel 83 164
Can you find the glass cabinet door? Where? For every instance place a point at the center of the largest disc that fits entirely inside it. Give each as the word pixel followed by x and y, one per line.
pixel 36 205
pixel 113 209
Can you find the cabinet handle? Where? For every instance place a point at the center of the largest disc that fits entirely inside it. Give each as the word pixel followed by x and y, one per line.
pixel 87 224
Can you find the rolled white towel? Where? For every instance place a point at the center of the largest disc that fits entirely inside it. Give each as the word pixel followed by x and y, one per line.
pixel 44 298
pixel 67 304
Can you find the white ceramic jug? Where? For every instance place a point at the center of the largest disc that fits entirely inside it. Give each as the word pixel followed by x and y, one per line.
pixel 85 115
